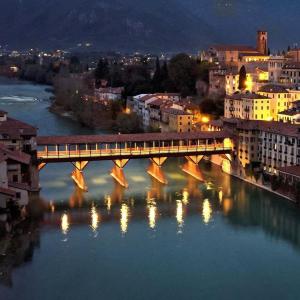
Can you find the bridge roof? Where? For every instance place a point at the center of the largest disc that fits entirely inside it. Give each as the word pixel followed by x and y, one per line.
pixel 121 138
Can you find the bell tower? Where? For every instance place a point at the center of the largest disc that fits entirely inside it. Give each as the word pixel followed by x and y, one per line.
pixel 262 42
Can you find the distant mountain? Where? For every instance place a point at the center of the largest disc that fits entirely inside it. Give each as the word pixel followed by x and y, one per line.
pixel 144 25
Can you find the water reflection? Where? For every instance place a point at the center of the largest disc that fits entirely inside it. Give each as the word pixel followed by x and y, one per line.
pixel 179 215
pixel 77 198
pixel 152 213
pixel 107 202
pixel 206 211
pixel 185 197
pixel 95 219
pixel 65 225
pixel 124 217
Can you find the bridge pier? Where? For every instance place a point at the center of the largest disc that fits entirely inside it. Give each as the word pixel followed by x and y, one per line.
pixel 191 167
pixel 77 174
pixel 117 172
pixel 155 170
pixel 41 166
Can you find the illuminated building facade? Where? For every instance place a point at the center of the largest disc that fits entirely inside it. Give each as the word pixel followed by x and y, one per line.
pixel 178 120
pixel 275 65
pixel 281 99
pixel 291 115
pixel 247 106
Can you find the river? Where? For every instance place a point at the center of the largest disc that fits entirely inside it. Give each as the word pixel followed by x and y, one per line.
pixel 221 239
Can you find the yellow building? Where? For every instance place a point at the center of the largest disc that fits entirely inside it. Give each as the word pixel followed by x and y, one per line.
pixel 281 98
pixel 247 106
pixel 178 120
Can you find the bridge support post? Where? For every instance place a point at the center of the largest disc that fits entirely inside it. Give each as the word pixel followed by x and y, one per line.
pixel 155 170
pixel 117 172
pixel 77 174
pixel 191 167
pixel 226 163
pixel 41 166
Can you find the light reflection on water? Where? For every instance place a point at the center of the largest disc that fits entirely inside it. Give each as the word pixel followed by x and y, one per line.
pixel 206 211
pixel 65 225
pixel 124 217
pixel 95 218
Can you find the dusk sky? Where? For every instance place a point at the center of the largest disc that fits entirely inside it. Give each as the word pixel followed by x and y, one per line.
pixel 153 25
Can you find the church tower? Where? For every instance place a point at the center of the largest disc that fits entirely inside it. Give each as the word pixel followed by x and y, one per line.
pixel 262 42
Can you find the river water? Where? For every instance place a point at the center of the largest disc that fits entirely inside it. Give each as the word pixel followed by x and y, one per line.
pixel 221 239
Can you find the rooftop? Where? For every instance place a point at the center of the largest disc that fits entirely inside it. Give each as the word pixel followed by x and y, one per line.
pixel 290 112
pixel 7 191
pixel 175 111
pixel 14 155
pixel 291 170
pixel 292 65
pixel 247 95
pixel 121 138
pixel 270 127
pixel 15 129
pixel 273 88
pixel 240 48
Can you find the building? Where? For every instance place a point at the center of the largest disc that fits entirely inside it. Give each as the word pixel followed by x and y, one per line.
pixel 280 145
pixel 14 177
pixel 281 98
pixel 17 147
pixel 248 106
pixel 294 54
pixel 291 115
pixel 275 65
pixel 17 135
pixel 178 120
pixel 232 55
pixel 256 77
pixel 141 104
pixel 290 74
pixel 108 94
pixel 217 80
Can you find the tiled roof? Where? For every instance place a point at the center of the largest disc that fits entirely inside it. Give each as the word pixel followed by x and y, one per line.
pixel 241 96
pixel 116 90
pixel 292 65
pixel 157 103
pixel 6 154
pixel 7 191
pixel 290 112
pixel 273 88
pixel 270 127
pixel 241 48
pixel 291 170
pixel 121 138
pixel 175 111
pixel 167 94
pixel 15 128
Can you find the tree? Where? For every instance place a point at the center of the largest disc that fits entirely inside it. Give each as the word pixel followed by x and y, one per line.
pixel 126 123
pixel 156 80
pixel 74 66
pixel 269 52
pixel 102 70
pixel 242 78
pixel 183 73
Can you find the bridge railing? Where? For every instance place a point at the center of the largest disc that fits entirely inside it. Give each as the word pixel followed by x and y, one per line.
pixel 134 152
